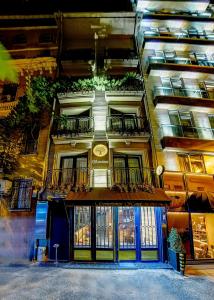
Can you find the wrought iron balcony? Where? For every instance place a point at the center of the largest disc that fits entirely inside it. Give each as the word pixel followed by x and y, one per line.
pixel 127 125
pixel 72 126
pixel 62 181
pixel 183 92
pixel 187 131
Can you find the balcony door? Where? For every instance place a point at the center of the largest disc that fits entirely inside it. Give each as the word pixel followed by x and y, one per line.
pixel 127 169
pixel 182 124
pixel 73 171
pixel 123 122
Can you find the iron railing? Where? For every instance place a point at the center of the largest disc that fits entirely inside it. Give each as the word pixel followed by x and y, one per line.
pixel 74 126
pixel 83 179
pixel 127 124
pixel 187 131
pixel 183 92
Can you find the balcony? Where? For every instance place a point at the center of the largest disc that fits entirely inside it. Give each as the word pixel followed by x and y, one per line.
pixel 62 181
pixel 187 137
pixel 183 96
pixel 177 35
pixel 178 64
pixel 127 125
pixel 68 127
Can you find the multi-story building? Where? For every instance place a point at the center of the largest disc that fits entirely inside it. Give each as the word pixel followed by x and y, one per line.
pixel 176 46
pixel 31 42
pixel 120 148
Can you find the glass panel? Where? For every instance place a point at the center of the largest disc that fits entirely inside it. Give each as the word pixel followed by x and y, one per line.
pixel 148 228
pixel 119 170
pixel 82 226
pixel 135 176
pixel 104 227
pixel 21 194
pixel 126 224
pixel 81 171
pixel 203 238
pixel 67 171
pixel 184 163
pixel 197 164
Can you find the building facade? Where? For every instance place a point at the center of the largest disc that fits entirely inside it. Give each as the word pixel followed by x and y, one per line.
pixel 127 152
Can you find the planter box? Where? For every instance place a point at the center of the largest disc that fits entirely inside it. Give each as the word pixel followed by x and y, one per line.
pixel 175 261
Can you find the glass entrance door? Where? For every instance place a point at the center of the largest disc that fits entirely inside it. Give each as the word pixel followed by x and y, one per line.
pixel 126 233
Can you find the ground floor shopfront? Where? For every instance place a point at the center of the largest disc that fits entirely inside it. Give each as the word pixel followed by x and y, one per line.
pixel 107 233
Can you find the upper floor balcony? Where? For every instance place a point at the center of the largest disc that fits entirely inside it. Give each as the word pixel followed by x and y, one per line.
pixel 66 127
pixel 187 137
pixel 183 96
pixel 127 125
pixel 177 35
pixel 84 179
pixel 185 62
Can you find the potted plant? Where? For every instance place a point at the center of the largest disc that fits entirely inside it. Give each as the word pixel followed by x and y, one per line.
pixel 176 251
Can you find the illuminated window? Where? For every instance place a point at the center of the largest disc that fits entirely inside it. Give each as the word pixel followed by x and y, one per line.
pixel 192 163
pixel 82 226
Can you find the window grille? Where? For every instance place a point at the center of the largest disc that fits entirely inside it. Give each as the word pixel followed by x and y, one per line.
pixel 148 228
pixel 21 194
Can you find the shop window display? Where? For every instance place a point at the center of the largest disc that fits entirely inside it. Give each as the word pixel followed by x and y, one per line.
pixel 203 235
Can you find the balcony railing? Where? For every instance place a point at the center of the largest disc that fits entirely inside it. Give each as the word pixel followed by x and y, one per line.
pixel 83 179
pixel 187 131
pixel 178 33
pixel 180 60
pixel 127 125
pixel 182 92
pixel 74 126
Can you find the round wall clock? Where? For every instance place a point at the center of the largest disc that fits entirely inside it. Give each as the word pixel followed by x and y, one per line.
pixel 100 150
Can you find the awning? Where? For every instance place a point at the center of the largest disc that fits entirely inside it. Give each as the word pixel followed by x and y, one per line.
pixel 201 202
pixel 106 197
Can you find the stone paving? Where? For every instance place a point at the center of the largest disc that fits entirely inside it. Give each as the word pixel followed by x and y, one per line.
pixel 36 282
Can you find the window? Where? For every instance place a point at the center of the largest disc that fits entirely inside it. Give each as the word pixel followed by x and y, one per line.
pixel 123 122
pixel 30 140
pixel 148 228
pixel 19 39
pixel 82 226
pixel 8 92
pixel 127 169
pixel 21 194
pixel 104 227
pixel 74 171
pixel 46 37
pixel 192 163
pixel 183 124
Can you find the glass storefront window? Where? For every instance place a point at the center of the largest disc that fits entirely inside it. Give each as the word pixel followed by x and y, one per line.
pixel 180 221
pixel 126 228
pixel 148 228
pixel 104 227
pixel 82 226
pixel 203 235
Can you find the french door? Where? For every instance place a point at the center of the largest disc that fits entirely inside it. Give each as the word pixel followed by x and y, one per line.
pixel 105 233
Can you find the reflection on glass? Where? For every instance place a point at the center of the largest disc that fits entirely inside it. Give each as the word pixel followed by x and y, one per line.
pixel 203 238
pixel 82 226
pixel 126 224
pixel 148 228
pixel 104 227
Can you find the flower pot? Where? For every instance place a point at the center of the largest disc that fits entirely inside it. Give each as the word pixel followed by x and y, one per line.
pixel 174 259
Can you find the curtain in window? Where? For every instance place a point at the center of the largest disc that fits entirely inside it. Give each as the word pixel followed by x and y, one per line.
pixel 120 170
pixel 67 171
pixel 81 171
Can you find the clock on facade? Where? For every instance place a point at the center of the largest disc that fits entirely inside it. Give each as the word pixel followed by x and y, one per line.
pixel 100 150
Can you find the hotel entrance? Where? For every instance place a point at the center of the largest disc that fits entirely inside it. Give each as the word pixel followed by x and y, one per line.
pixel 105 233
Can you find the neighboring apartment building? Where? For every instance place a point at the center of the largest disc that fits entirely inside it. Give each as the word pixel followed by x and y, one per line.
pixel 31 42
pixel 112 161
pixel 176 45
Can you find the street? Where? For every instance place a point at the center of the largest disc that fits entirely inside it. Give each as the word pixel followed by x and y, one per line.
pixel 36 282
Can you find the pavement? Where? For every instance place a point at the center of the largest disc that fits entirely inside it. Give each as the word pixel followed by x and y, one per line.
pixel 44 282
